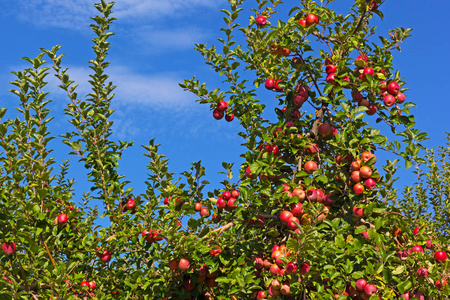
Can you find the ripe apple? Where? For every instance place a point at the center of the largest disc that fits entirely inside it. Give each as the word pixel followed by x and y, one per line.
pixel 197 206
pixel 302 22
pixel 148 236
pixel 367 71
pixel 270 84
pixel 229 117
pixel 331 78
pixel 389 100
pixel 296 62
pixel 422 272
pixel 104 256
pixel 300 193
pixel 400 98
pixel 230 204
pixel 204 212
pixel 297 209
pixel 221 203
pixel 405 296
pixel 261 295
pixel 291 268
pixel 358 189
pixel 235 194
pixel 370 184
pixel 357 96
pixel 273 292
pixel 440 256
pixel 277 87
pixel 366 156
pixel 330 69
pixel 303 269
pixel 370 290
pixel 320 195
pixel 261 21
pixel 92 285
pixel 417 249
pixel 312 195
pixel 355 165
pixel 310 167
pixel 218 114
pixel 372 109
pixel 365 172
pixel 358 212
pixel 184 264
pixel 274 269
pixel 222 105
pixel 419 296
pixel 84 284
pixel 325 129
pixel 441 284
pixel 8 248
pixel 285 290
pixel 292 223
pixel 285 216
pixel 173 264
pixel 311 19
pixel 62 219
pixel 393 88
pixel 361 284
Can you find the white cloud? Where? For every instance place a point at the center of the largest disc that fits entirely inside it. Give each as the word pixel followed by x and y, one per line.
pixel 74 14
pixel 159 90
pixel 151 39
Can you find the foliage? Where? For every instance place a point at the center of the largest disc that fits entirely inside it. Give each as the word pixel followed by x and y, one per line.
pixel 158 246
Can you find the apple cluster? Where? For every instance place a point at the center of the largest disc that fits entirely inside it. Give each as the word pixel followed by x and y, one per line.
pixel 360 171
pixel 227 200
pixel 362 288
pixel 219 111
pixel 275 270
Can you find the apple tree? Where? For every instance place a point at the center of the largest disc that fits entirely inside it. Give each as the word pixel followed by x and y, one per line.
pixel 311 214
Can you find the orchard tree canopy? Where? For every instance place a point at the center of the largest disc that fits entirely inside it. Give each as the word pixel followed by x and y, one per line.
pixel 312 214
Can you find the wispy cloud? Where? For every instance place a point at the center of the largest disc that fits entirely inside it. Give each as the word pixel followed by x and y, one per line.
pixel 159 90
pixel 74 14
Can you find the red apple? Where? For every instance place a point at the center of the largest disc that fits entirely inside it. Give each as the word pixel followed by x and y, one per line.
pixel 330 69
pixel 361 284
pixel 365 172
pixel 358 212
pixel 297 209
pixel 370 184
pixel 218 114
pixel 311 19
pixel 292 223
pixel 400 98
pixel 302 22
pixel 372 109
pixel 261 295
pixel 270 84
pixel 441 284
pixel 417 249
pixel 173 264
pixel 331 78
pixel 92 285
pixel 8 248
pixel 389 100
pixel 62 219
pixel 422 272
pixel 261 21
pixel 303 269
pixel 204 212
pixel 393 88
pixel 357 96
pixel 222 105
pixel 358 189
pixel 229 117
pixel 197 206
pixel 440 256
pixel 274 269
pixel 310 167
pixel 325 129
pixel 291 268
pixel 285 216
pixel 184 264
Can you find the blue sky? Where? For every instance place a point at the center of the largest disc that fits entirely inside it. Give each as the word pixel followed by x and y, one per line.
pixel 153 51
